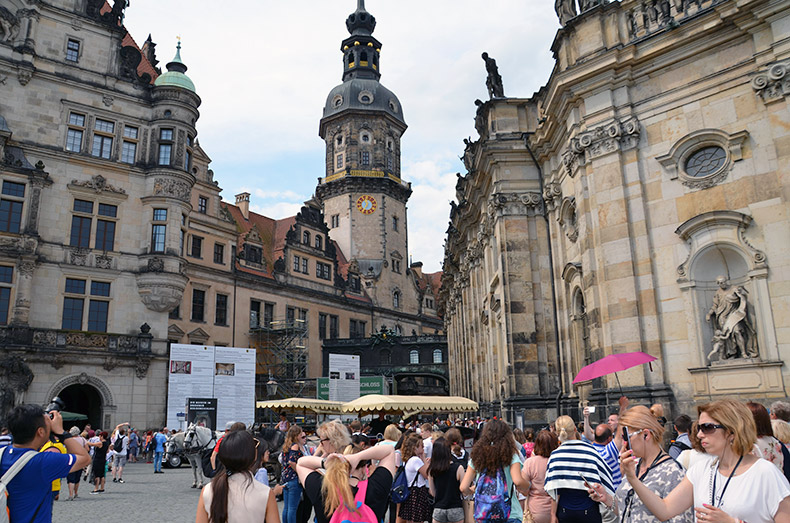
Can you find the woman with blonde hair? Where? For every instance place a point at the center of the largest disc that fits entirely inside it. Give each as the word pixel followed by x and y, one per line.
pixel 333 437
pixel 735 486
pixel 292 451
pixel 344 475
pixel 571 467
pixel 781 430
pixel 656 470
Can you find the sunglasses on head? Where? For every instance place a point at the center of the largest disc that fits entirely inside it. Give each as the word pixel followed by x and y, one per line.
pixel 709 428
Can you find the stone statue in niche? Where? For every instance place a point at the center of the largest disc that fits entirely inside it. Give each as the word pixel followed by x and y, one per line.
pixel 494 80
pixel 734 336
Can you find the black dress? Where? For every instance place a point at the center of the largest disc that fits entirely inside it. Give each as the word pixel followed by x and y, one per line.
pixel 100 459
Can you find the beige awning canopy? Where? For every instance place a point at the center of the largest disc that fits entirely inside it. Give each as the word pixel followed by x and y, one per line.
pixel 408 405
pixel 302 404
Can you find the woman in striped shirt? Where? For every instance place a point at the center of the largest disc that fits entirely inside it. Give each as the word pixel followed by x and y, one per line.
pixel 570 466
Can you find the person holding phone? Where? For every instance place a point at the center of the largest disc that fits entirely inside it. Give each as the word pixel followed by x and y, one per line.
pixel 571 467
pixel 642 435
pixel 735 487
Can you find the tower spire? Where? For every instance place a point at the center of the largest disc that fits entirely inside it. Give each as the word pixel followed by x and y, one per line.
pixel 360 22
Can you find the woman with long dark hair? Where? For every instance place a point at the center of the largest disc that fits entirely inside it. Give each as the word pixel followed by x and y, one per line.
pixel 444 482
pixel 233 495
pixel 534 471
pixel 496 450
pixel 770 447
pixel 344 475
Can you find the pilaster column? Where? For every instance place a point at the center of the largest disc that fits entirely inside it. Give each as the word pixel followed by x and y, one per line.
pixel 24 286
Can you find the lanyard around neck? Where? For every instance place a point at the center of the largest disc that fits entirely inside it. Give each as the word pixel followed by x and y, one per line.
pixel 726 484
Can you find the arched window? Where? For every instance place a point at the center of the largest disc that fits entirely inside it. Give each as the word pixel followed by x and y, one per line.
pixel 363 57
pixel 414 357
pixel 306 238
pixel 396 299
pixel 385 357
pixel 437 355
pixel 319 242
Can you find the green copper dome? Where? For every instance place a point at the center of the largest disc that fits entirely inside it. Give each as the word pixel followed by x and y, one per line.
pixel 175 77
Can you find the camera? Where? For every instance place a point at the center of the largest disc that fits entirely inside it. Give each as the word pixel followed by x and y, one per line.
pixel 55 404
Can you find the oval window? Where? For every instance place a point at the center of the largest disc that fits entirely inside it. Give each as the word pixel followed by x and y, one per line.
pixel 706 161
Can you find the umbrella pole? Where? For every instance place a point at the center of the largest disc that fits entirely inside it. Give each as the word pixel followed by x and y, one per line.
pixel 618 384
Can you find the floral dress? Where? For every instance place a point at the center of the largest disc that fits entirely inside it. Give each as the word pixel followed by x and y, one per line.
pixel 770 449
pixel 292 456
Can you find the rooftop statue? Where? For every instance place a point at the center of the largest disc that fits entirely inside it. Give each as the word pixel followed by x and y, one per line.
pixel 494 80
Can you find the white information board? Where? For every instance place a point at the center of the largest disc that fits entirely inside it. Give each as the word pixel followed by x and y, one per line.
pixel 343 377
pixel 203 371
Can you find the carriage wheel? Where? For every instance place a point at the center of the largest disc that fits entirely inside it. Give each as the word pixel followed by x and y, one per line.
pixel 174 461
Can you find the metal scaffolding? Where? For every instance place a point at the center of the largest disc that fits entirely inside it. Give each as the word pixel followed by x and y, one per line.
pixel 281 347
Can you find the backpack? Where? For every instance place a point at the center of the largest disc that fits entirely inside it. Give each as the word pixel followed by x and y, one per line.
pixel 205 463
pixel 678 445
pixel 400 485
pixel 5 514
pixel 118 445
pixel 492 501
pixel 362 513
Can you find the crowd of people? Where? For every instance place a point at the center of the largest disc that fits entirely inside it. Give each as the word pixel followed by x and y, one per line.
pixel 730 465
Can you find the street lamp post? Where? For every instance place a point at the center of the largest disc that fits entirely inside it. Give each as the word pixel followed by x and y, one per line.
pixel 271 391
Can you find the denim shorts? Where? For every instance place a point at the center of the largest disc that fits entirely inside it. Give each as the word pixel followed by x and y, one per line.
pixel 448 515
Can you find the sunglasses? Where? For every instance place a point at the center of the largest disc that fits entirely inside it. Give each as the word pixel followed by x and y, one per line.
pixel 710 428
pixel 324 439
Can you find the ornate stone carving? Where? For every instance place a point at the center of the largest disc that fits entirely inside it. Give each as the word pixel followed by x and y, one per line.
pixel 253 236
pixel 733 334
pixel 514 204
pixel 141 367
pixel 155 265
pixel 110 363
pixel 617 135
pixel 104 261
pixel 173 188
pixel 15 378
pixel 567 218
pixel 9 25
pixel 565 9
pixel 24 74
pixel 674 161
pixel 161 291
pixel 107 100
pixel 773 83
pixel 224 214
pixel 78 257
pixel 552 195
pixel 98 184
pixel 58 361
pixel 130 59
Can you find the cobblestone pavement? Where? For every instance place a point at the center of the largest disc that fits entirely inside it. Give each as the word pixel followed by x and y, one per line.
pixel 145 496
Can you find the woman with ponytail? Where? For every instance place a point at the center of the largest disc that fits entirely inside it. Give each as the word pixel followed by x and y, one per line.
pixel 295 438
pixel 342 474
pixel 233 496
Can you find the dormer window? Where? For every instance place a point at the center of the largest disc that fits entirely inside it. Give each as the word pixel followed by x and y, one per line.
pixel 319 242
pixel 306 238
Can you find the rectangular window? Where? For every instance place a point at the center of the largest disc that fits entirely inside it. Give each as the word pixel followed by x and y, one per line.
pixel 321 326
pixel 355 284
pixel 197 246
pixel 187 159
pixel 130 132
pixel 339 161
pixel 74 286
pixel 10 216
pixel 72 313
pixel 305 266
pixel 100 288
pixel 128 151
pixel 6 276
pixel 111 211
pixel 83 206
pixel 72 50
pixel 102 143
pixel 198 304
pixel 255 314
pixel 365 158
pixel 253 254
pixel 219 253
pixel 160 215
pixel 75 132
pixel 105 235
pixel 158 233
pixel 13 189
pixel 396 266
pixel 334 327
pixel 356 329
pixel 268 313
pixel 389 163
pixel 202 204
pixel 80 232
pixel 394 223
pixel 290 314
pixel 97 315
pixel 323 270
pixel 335 220
pixel 221 311
pixel 297 264
pixel 165 146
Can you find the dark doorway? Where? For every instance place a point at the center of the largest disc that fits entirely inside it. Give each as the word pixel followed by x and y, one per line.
pixel 82 399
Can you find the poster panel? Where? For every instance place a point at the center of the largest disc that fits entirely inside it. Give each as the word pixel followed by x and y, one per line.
pixel 190 375
pixel 343 377
pixel 234 385
pixel 202 411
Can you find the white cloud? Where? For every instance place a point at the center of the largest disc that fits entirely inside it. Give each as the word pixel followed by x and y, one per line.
pixel 278 210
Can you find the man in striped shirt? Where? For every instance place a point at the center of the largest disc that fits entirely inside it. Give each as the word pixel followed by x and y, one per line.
pixel 608 444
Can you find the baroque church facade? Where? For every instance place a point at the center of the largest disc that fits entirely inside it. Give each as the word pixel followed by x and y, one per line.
pixel 115 241
pixel 637 202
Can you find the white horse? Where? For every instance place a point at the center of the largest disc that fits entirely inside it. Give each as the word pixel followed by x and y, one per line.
pixel 197 441
pixel 176 443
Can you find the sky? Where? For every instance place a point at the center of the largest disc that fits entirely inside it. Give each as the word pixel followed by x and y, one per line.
pixel 263 70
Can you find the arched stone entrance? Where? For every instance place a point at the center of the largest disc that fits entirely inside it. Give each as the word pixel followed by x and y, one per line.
pixel 86 395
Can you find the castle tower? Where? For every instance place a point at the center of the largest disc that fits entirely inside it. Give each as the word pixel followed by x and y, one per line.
pixel 362 194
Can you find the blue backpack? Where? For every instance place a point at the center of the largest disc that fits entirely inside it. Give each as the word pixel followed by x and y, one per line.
pixel 492 500
pixel 400 485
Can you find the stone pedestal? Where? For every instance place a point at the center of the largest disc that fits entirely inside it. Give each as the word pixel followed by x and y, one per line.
pixel 748 377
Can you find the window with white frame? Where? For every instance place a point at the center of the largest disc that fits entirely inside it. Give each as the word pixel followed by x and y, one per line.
pixel 103 131
pixel 414 357
pixel 11 203
pixel 72 50
pixel 97 294
pixel 159 230
pixel 75 132
pixel 437 355
pixel 165 146
pixel 129 144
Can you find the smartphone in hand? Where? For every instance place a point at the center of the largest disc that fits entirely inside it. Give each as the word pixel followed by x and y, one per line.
pixel 626 439
pixel 587 482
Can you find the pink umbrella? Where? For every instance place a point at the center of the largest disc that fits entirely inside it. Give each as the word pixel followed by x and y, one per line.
pixel 612 364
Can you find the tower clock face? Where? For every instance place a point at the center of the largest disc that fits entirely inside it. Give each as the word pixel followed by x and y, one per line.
pixel 366 204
